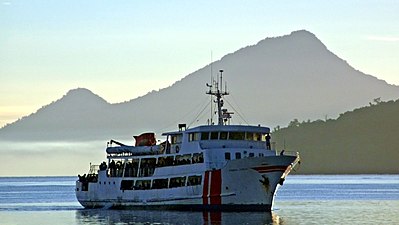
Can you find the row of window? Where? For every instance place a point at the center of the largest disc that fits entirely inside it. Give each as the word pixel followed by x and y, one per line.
pixel 224 135
pixel 146 167
pixel 227 155
pixel 161 183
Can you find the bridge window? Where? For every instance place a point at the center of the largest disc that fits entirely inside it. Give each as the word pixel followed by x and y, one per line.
pixel 263 137
pixel 214 135
pixel 238 155
pixel 191 137
pixel 227 155
pixel 204 136
pixel 249 136
pixel 223 135
pixel 237 136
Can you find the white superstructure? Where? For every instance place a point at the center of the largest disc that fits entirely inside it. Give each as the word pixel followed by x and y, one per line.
pixel 210 167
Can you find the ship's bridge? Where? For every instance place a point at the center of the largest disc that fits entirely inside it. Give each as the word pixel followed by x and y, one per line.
pixel 230 128
pixel 220 136
pixel 236 136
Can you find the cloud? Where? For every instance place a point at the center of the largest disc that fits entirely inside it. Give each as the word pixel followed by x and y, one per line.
pixel 383 38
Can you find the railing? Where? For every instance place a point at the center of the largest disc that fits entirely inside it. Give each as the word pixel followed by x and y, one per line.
pixel 285 152
pixel 94 169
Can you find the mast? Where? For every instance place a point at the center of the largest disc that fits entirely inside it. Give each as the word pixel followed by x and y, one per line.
pixel 219 93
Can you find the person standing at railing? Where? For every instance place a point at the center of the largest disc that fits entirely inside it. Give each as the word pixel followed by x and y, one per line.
pixel 112 168
pixel 268 141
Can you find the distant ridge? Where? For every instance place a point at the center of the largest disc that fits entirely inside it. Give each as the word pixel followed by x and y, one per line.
pixel 272 82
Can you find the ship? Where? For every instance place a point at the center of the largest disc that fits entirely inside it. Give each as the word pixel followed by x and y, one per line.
pixel 217 166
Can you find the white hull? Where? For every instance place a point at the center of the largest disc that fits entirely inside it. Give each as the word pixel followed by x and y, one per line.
pixel 243 184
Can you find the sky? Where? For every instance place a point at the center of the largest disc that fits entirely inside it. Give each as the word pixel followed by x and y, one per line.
pixel 124 49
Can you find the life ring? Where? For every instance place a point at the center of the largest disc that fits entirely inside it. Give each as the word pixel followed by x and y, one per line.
pixel 177 149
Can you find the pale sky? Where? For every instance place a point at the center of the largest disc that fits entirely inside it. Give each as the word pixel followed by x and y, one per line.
pixel 124 49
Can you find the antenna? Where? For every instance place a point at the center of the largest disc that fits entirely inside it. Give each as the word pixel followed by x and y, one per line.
pixel 219 95
pixel 210 86
pixel 221 80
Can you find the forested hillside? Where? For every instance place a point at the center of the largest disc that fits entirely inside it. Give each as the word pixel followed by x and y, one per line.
pixel 365 140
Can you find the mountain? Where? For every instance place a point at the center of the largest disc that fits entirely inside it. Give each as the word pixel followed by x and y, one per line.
pixel 361 141
pixel 76 113
pixel 270 83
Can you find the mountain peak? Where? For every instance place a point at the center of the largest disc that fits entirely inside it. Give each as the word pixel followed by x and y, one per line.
pixel 302 33
pixel 302 39
pixel 294 40
pixel 82 95
pixel 79 91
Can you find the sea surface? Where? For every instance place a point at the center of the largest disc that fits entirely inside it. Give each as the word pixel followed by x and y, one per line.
pixel 303 199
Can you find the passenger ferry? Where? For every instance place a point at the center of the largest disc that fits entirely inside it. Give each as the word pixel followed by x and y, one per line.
pixel 210 167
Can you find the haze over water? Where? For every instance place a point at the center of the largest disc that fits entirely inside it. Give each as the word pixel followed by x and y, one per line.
pixel 303 199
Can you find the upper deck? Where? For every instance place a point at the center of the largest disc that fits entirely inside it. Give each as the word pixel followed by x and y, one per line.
pixel 225 128
pixel 219 136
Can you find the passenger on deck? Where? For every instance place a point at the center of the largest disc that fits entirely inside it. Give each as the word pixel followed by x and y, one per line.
pixel 119 168
pixel 268 141
pixel 82 178
pixel 112 168
pixel 103 166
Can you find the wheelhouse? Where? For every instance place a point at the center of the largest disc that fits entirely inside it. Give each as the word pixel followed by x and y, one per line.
pixel 216 136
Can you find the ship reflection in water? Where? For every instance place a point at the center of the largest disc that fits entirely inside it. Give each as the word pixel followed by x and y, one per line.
pixel 98 216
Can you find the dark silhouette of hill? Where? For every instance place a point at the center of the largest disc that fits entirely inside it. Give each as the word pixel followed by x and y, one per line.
pixel 293 76
pixel 361 141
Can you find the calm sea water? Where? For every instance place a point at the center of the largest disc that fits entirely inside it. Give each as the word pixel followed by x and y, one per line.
pixel 316 199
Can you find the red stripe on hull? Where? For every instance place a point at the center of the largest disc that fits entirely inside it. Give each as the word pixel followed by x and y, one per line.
pixel 216 187
pixel 205 188
pixel 216 217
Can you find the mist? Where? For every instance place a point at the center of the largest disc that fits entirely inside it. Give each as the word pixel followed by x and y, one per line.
pixel 49 158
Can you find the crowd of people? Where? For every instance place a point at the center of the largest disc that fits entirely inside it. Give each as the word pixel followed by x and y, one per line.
pixel 130 168
pixel 92 178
